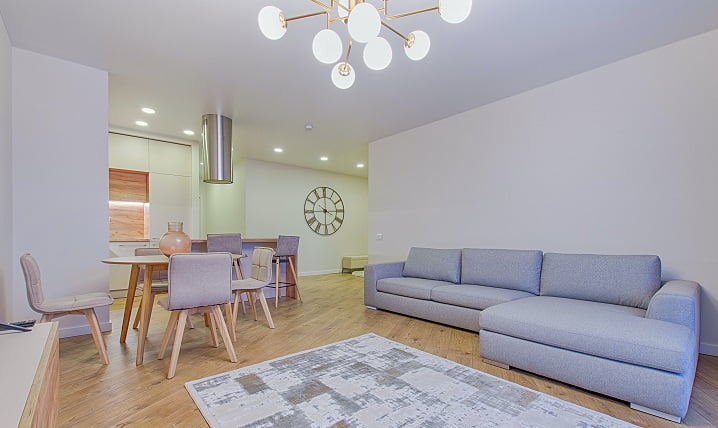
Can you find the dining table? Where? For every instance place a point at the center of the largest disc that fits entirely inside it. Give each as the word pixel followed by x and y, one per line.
pixel 150 264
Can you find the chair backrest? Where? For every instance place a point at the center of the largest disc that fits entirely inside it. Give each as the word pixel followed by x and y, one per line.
pixel 287 245
pixel 199 279
pixel 262 264
pixel 157 275
pixel 224 242
pixel 31 270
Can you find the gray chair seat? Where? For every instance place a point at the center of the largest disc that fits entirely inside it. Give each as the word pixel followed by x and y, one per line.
pixel 475 296
pixel 610 331
pixel 417 288
pixel 75 303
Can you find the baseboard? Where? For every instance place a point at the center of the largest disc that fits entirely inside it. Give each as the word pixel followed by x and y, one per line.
pixel 81 330
pixel 319 272
pixel 709 349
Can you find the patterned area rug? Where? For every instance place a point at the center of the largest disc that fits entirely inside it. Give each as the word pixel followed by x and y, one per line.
pixel 375 382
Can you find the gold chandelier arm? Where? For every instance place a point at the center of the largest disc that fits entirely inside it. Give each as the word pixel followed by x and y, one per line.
pixel 324 6
pixel 401 15
pixel 324 12
pixel 349 50
pixel 406 39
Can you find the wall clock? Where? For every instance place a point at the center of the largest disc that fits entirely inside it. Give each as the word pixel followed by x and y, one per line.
pixel 324 210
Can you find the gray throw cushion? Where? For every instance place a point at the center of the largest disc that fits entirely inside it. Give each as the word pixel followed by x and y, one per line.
pixel 417 288
pixel 475 296
pixel 619 280
pixel 433 263
pixel 514 269
pixel 615 332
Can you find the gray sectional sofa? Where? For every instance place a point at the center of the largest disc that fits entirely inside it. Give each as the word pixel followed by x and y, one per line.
pixel 604 323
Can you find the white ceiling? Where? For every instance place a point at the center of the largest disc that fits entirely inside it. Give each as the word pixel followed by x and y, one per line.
pixel 186 58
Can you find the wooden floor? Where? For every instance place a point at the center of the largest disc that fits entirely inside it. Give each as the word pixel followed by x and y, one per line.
pixel 121 394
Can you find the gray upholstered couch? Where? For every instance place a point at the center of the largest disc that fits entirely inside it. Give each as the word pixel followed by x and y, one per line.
pixel 604 323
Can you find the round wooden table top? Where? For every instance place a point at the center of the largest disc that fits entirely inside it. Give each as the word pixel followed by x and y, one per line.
pixel 137 260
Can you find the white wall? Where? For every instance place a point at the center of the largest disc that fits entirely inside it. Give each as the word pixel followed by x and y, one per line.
pixel 275 195
pixel 621 159
pixel 223 205
pixel 6 259
pixel 59 158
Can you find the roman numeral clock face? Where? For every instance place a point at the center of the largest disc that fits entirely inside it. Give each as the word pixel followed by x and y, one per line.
pixel 324 210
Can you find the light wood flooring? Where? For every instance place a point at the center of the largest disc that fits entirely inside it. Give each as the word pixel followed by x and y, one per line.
pixel 121 394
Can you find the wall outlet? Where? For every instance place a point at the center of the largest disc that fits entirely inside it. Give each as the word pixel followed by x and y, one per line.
pixel 379 236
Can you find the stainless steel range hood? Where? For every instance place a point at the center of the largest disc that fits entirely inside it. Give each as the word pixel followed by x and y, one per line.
pixel 217 148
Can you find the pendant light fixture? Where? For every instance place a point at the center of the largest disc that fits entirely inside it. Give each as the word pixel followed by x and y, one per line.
pixel 364 21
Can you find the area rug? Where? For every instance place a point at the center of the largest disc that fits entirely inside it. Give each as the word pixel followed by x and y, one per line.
pixel 370 381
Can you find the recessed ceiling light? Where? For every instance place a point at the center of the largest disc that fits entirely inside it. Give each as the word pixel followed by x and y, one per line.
pixel 360 165
pixel 188 132
pixel 278 150
pixel 148 110
pixel 323 158
pixel 141 123
pixel 308 126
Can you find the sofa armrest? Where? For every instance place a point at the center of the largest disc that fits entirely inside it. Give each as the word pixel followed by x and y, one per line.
pixel 678 302
pixel 375 272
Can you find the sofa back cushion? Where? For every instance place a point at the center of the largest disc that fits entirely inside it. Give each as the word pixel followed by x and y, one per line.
pixel 514 269
pixel 619 280
pixel 433 263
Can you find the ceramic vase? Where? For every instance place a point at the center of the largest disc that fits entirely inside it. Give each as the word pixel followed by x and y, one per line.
pixel 175 240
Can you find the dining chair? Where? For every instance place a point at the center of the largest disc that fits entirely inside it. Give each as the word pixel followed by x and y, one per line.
pixel 227 242
pixel 81 304
pixel 159 281
pixel 287 249
pixel 260 277
pixel 197 283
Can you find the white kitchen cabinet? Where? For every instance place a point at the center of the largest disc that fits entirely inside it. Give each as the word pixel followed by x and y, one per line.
pixel 127 152
pixel 168 158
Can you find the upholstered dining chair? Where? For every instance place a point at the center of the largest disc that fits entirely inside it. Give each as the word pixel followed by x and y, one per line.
pixel 159 281
pixel 82 304
pixel 260 277
pixel 198 283
pixel 287 248
pixel 227 242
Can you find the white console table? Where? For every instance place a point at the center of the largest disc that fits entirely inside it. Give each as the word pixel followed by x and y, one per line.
pixel 29 377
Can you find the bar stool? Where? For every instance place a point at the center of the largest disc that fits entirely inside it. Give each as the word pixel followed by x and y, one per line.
pixel 230 243
pixel 287 250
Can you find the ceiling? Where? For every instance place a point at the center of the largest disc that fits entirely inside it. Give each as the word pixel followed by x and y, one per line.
pixel 186 58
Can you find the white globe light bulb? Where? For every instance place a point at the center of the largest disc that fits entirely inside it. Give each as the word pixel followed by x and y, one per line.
pixel 271 22
pixel 377 53
pixel 454 11
pixel 418 45
pixel 343 75
pixel 364 22
pixel 327 46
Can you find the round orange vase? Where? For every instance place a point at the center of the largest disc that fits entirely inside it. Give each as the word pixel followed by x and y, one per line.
pixel 175 240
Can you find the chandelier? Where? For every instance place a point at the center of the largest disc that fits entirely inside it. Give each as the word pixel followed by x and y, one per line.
pixel 364 22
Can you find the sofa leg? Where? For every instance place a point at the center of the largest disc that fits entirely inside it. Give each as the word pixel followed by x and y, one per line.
pixel 655 412
pixel 496 363
pixel 371 307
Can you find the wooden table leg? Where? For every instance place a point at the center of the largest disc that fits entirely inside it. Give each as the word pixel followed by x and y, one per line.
pixel 131 288
pixel 145 315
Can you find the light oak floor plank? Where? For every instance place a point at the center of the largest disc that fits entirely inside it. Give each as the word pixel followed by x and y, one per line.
pixel 121 394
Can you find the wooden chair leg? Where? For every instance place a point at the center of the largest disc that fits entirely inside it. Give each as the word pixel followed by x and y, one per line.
pixel 265 308
pixel 241 300
pixel 241 271
pixel 230 319
pixel 97 334
pixel 190 324
pixel 276 286
pixel 213 329
pixel 225 334
pixel 178 344
pixel 296 278
pixel 206 320
pixel 46 318
pixel 253 303
pixel 174 316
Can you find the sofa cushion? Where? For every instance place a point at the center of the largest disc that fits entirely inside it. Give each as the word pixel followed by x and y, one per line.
pixel 417 288
pixel 619 280
pixel 513 269
pixel 475 296
pixel 433 263
pixel 615 332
